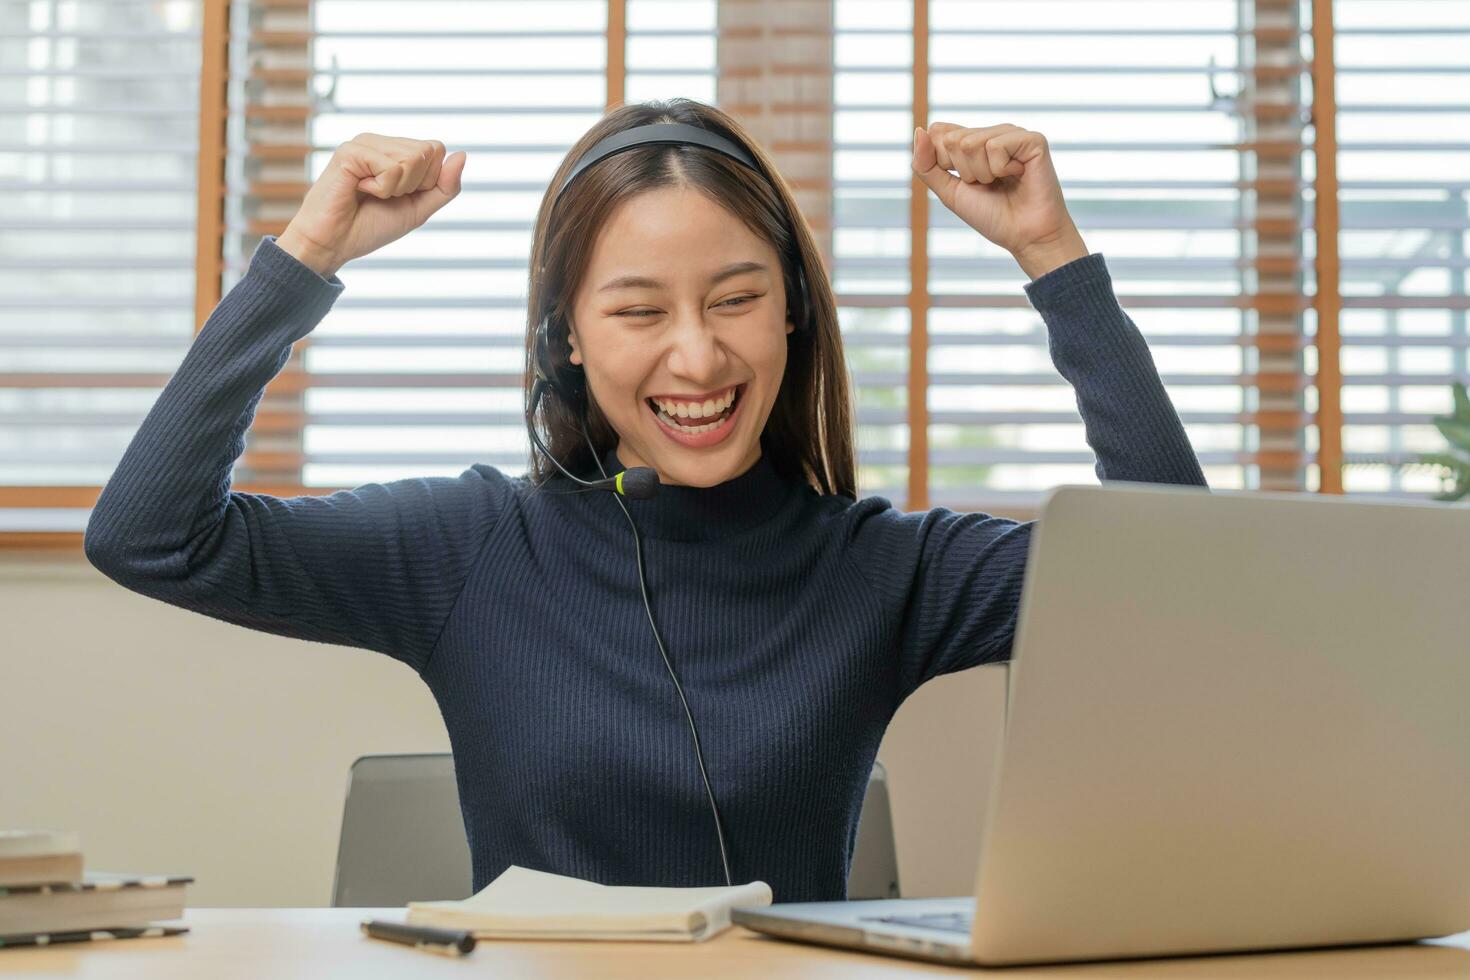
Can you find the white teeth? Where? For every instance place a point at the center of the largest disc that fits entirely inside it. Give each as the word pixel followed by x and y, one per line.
pixel 693 429
pixel 685 410
pixel 665 417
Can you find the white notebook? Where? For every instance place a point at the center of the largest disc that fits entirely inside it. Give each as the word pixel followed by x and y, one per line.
pixel 526 904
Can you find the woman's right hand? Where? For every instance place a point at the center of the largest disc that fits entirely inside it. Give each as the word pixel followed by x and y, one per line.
pixel 375 190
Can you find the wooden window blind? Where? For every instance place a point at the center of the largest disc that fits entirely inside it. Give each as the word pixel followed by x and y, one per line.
pixel 416 370
pixel 1176 130
pixel 671 50
pixel 872 185
pixel 98 140
pixel 1186 137
pixel 1403 162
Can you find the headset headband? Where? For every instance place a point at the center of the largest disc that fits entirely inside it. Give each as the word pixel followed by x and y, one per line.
pixel 666 132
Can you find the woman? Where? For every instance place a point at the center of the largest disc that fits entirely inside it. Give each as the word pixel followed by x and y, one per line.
pixel 797 617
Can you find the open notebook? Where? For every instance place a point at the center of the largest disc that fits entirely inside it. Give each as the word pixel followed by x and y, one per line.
pixel 526 904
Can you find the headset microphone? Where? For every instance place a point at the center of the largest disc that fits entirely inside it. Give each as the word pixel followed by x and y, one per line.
pixel 638 483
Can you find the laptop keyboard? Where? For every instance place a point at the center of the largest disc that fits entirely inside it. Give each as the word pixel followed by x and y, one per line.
pixel 948 921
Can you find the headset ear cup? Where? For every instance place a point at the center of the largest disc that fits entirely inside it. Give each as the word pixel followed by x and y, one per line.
pixel 573 384
pixel 567 380
pixel 803 302
pixel 541 355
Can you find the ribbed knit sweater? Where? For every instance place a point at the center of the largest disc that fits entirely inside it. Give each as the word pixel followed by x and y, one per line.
pixel 797 621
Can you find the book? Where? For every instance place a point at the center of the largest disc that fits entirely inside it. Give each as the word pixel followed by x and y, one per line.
pixel 40 857
pixel 89 935
pixel 101 900
pixel 526 904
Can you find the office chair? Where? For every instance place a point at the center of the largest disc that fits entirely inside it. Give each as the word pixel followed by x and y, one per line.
pixel 403 835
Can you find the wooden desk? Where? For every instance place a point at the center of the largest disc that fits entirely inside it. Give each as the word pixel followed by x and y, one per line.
pixel 314 943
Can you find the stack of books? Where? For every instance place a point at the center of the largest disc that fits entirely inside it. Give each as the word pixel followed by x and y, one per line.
pixel 47 897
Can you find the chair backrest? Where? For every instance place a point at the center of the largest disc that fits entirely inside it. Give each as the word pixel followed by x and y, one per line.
pixel 874 870
pixel 403 835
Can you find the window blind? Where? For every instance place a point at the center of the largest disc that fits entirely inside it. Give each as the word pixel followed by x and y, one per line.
pixel 873 92
pixel 1403 121
pixel 1182 134
pixel 98 138
pixel 416 370
pixel 1178 147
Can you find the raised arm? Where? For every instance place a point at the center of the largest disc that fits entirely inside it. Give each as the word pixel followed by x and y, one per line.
pixel 1130 422
pixel 377 567
pixel 952 581
pixel 1007 190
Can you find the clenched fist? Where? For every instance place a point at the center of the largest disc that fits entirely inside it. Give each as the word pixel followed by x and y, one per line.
pixel 375 190
pixel 1007 190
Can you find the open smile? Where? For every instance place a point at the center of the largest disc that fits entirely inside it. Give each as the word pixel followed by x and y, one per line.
pixel 707 432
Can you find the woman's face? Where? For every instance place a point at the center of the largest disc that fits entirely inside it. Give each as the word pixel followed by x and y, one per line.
pixel 682 305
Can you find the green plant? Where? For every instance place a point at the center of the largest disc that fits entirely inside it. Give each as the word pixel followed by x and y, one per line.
pixel 1456 461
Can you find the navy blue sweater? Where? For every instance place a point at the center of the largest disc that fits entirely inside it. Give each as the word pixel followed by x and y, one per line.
pixel 798 622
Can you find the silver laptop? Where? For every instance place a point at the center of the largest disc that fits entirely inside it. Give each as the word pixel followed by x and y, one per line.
pixel 1236 721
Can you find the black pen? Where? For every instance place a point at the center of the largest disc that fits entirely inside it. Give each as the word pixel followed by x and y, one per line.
pixel 449 942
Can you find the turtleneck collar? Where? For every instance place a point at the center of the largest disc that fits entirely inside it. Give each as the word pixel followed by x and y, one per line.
pixel 683 513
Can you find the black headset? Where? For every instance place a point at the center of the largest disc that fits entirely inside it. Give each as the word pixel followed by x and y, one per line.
pixel 568 382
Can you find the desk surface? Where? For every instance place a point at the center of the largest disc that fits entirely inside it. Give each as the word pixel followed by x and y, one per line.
pixel 325 942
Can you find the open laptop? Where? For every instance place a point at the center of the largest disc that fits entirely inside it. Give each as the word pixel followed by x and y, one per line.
pixel 1237 720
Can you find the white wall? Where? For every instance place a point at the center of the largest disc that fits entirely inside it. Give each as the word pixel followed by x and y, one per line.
pixel 178 743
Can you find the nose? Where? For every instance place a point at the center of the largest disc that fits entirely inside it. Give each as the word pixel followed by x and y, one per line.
pixel 696 353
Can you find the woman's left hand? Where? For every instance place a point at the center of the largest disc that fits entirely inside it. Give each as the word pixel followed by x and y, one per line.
pixel 1006 190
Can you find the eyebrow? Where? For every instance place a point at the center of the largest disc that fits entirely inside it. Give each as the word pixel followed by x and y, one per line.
pixel 644 282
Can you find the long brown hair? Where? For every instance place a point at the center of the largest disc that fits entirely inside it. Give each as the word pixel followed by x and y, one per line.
pixel 809 435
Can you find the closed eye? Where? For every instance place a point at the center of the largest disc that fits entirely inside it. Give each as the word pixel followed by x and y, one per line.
pixel 645 313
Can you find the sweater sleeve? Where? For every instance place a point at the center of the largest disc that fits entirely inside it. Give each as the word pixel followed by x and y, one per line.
pixel 1130 422
pixel 951 580
pixel 378 567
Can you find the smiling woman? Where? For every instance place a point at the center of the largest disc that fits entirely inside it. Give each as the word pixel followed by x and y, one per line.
pixel 678 293
pixel 669 273
pixel 683 336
